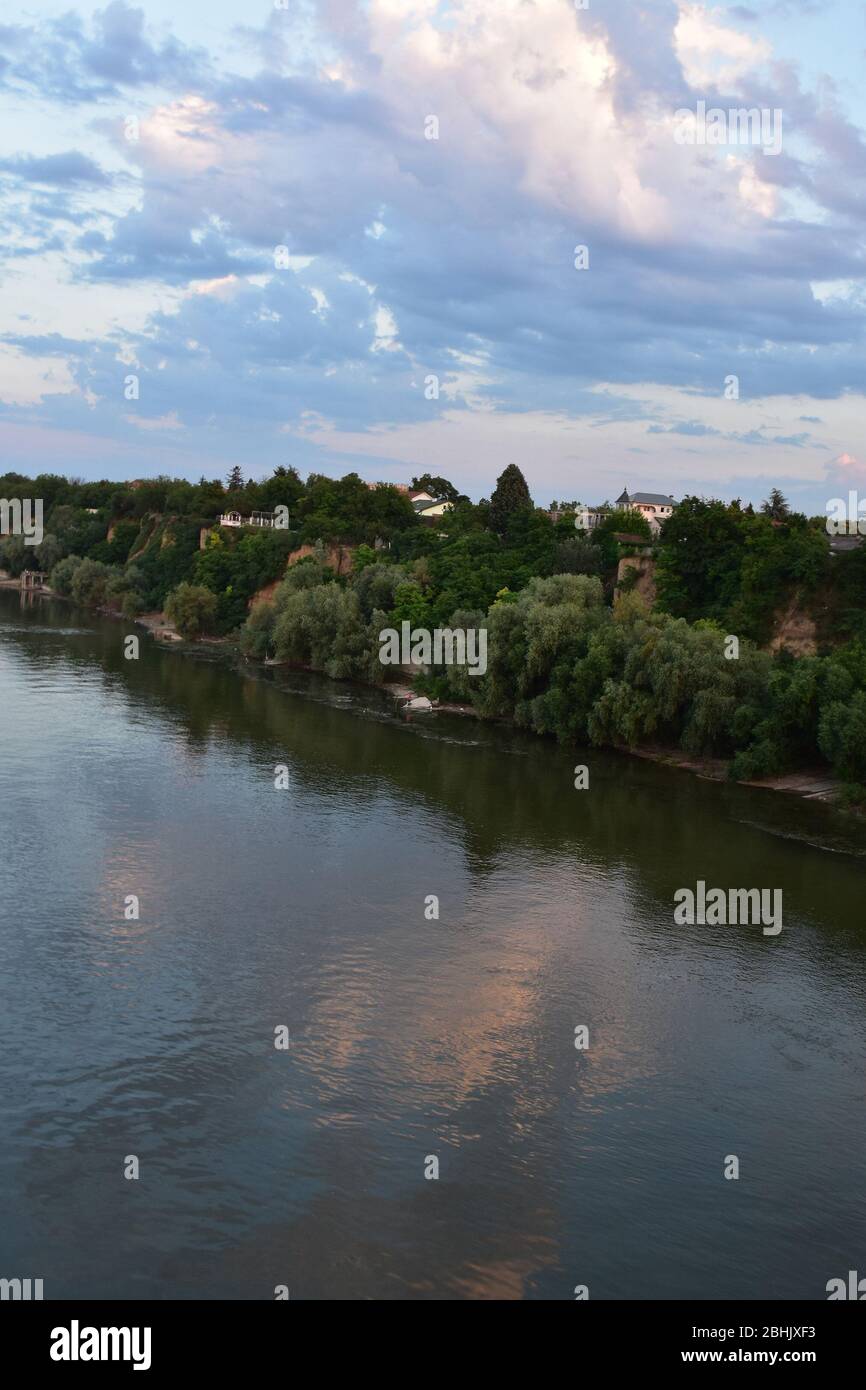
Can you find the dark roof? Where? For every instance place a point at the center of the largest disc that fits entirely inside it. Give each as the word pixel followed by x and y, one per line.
pixel 658 498
pixel 422 505
pixel 626 538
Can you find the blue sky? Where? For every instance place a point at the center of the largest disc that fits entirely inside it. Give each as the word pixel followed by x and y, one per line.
pixel 407 258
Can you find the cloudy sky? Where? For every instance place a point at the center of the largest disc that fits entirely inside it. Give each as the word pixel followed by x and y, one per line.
pixel 241 205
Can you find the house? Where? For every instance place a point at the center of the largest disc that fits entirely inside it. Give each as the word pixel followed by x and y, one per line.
pixel 428 508
pixel 589 517
pixel 257 519
pixel 655 507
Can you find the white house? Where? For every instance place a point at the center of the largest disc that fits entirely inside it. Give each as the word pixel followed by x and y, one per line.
pixel 257 519
pixel 654 506
pixel 429 507
pixel 589 517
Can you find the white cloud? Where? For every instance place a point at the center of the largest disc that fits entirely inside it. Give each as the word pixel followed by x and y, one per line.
pixel 712 52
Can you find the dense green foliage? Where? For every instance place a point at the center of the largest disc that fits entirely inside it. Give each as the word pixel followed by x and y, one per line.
pixel 192 608
pixel 569 653
pixel 146 535
pixel 561 661
pixel 717 561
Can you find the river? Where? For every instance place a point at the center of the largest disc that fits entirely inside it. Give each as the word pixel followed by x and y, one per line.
pixel 411 1037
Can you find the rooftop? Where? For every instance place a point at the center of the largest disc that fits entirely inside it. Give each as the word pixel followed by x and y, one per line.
pixel 422 504
pixel 657 499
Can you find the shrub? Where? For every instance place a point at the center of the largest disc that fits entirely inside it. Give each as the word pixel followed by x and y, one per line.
pixel 192 609
pixel 60 578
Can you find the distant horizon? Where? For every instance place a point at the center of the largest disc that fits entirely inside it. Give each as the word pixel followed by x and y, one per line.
pixel 540 499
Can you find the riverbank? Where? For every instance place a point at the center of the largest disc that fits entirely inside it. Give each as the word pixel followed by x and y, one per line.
pixel 814 784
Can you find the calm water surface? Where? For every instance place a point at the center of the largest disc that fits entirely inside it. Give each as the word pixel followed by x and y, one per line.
pixel 409 1037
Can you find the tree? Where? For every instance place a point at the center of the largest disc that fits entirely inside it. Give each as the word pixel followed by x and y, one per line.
pixel 700 556
pixel 410 606
pixel 48 553
pixel 90 581
pixel 577 555
pixel 235 479
pixel 437 487
pixel 511 495
pixel 191 608
pixel 776 506
pixel 282 489
pixel 376 586
pixel 257 634
pixel 15 556
pixel 61 576
pixel 842 736
pixel 323 628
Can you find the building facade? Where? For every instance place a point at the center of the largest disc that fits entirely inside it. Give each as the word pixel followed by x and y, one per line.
pixel 655 507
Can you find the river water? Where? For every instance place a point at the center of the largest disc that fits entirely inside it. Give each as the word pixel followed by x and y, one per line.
pixel 411 1038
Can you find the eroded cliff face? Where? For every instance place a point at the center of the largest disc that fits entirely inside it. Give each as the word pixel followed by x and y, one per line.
pixel 645 567
pixel 794 630
pixel 337 557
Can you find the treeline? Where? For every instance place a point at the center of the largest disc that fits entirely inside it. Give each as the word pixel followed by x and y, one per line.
pixel 736 567
pixel 321 506
pixel 133 546
pixel 570 654
pixel 564 662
